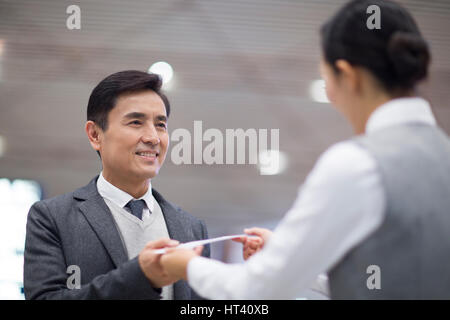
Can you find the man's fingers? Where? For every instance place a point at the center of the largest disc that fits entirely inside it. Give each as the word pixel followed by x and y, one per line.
pixel 161 243
pixel 198 250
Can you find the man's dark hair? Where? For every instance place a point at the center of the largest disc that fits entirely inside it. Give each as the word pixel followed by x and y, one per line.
pixel 104 96
pixel 396 54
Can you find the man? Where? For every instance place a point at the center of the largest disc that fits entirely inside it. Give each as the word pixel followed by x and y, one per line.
pixel 107 229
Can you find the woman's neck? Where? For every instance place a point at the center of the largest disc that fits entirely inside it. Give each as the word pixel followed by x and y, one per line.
pixel 364 109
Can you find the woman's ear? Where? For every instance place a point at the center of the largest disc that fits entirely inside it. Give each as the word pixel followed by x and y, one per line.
pixel 349 75
pixel 94 134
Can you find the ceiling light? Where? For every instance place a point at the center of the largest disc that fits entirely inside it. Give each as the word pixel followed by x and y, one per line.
pixel 317 91
pixel 164 69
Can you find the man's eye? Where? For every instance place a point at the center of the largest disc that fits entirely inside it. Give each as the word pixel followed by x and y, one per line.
pixel 162 125
pixel 135 122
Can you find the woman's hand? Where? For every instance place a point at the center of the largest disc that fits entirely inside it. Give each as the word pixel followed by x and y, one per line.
pixel 253 244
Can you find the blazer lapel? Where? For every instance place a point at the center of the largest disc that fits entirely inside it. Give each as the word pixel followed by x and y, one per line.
pixel 174 224
pixel 101 220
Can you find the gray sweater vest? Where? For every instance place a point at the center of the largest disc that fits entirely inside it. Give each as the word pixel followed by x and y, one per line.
pixel 408 256
pixel 135 233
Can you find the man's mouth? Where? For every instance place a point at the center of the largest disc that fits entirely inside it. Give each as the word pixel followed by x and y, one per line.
pixel 148 155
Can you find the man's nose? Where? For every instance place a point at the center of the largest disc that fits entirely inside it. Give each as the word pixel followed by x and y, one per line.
pixel 151 135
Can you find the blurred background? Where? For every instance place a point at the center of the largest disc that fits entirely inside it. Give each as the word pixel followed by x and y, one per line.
pixel 236 64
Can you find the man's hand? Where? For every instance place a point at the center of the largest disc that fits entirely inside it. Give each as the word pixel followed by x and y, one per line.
pixel 253 244
pixel 175 261
pixel 150 263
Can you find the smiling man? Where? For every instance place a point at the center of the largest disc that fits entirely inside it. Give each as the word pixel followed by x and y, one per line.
pixel 108 229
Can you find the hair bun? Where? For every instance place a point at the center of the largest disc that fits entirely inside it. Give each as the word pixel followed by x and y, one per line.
pixel 409 54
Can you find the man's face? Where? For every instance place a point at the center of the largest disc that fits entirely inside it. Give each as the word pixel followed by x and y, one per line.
pixel 135 142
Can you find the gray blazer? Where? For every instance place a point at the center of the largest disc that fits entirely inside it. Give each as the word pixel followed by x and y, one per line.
pixel 78 229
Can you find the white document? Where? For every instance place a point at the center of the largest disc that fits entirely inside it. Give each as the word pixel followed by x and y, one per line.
pixel 193 244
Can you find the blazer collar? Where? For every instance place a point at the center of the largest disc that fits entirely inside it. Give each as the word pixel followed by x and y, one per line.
pixel 101 220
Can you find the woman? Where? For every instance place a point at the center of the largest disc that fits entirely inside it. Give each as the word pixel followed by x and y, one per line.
pixel 374 213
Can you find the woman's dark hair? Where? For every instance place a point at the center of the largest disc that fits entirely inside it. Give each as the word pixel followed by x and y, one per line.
pixel 104 96
pixel 396 54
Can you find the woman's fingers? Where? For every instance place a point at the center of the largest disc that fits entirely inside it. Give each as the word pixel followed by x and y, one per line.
pixel 255 231
pixel 242 239
pixel 263 233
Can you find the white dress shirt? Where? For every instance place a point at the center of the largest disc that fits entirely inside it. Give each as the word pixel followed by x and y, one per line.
pixel 121 198
pixel 340 204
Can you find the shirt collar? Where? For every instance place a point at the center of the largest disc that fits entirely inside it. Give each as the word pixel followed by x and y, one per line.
pixel 400 111
pixel 120 197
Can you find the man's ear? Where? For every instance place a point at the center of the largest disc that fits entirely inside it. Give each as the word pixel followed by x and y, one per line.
pixel 94 134
pixel 349 74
